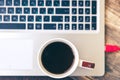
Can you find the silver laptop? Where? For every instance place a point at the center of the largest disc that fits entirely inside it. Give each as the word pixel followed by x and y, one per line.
pixel 25 25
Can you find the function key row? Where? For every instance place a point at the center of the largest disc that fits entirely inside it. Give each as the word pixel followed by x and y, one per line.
pixel 31 18
pixel 45 3
pixel 19 10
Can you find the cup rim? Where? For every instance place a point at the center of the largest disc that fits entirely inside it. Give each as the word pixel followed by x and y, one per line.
pixel 73 66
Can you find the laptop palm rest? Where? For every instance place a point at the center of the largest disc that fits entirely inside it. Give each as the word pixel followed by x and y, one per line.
pixel 16 54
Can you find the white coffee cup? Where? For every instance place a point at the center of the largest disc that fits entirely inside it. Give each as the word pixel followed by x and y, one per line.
pixel 76 62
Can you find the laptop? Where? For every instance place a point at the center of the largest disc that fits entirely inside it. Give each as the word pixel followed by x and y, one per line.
pixel 25 25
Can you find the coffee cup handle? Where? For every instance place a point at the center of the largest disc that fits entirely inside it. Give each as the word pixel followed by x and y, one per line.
pixel 86 64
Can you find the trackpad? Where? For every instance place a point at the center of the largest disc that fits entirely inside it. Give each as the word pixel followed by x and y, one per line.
pixel 16 54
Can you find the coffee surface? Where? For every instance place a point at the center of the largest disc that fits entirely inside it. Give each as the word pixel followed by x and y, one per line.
pixel 57 57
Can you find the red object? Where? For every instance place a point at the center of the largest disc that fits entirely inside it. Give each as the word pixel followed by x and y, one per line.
pixel 111 48
pixel 88 64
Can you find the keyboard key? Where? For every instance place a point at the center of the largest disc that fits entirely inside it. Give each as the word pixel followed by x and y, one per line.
pixel 8 2
pixel 18 10
pixel 40 2
pixel 38 26
pixel 57 18
pixel 46 18
pixel 87 3
pixel 24 2
pixel 80 18
pixel 1 2
pixel 94 26
pixel 67 27
pixel 94 19
pixel 26 10
pixel 49 26
pixel 11 10
pixel 32 2
pixel 74 11
pixel 14 18
pixel 94 23
pixel 87 18
pixel 6 18
pixel 87 11
pixel 12 26
pixel 34 10
pixel 67 18
pixel 30 26
pixel 74 3
pixel 0 18
pixel 80 10
pixel 87 26
pixel 50 10
pixel 16 2
pixel 48 3
pixel 74 19
pixel 60 26
pixel 74 26
pixel 30 18
pixel 39 18
pixel 80 26
pixel 94 7
pixel 81 3
pixel 56 3
pixel 42 10
pixel 2 10
pixel 65 3
pixel 62 11
pixel 23 18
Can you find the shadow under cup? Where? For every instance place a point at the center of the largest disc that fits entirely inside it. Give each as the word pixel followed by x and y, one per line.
pixel 57 57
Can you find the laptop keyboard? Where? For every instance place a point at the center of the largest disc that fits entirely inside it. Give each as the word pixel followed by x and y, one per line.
pixel 74 15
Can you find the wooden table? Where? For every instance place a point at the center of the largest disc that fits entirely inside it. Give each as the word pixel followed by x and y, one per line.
pixel 112 25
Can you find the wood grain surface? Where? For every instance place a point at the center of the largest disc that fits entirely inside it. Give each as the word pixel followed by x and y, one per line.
pixel 112 25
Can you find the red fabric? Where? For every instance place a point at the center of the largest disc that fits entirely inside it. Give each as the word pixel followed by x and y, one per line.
pixel 111 48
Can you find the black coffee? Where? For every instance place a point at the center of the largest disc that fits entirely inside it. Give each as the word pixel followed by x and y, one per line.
pixel 57 57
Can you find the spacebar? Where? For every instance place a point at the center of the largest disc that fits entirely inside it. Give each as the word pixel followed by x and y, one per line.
pixel 12 26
